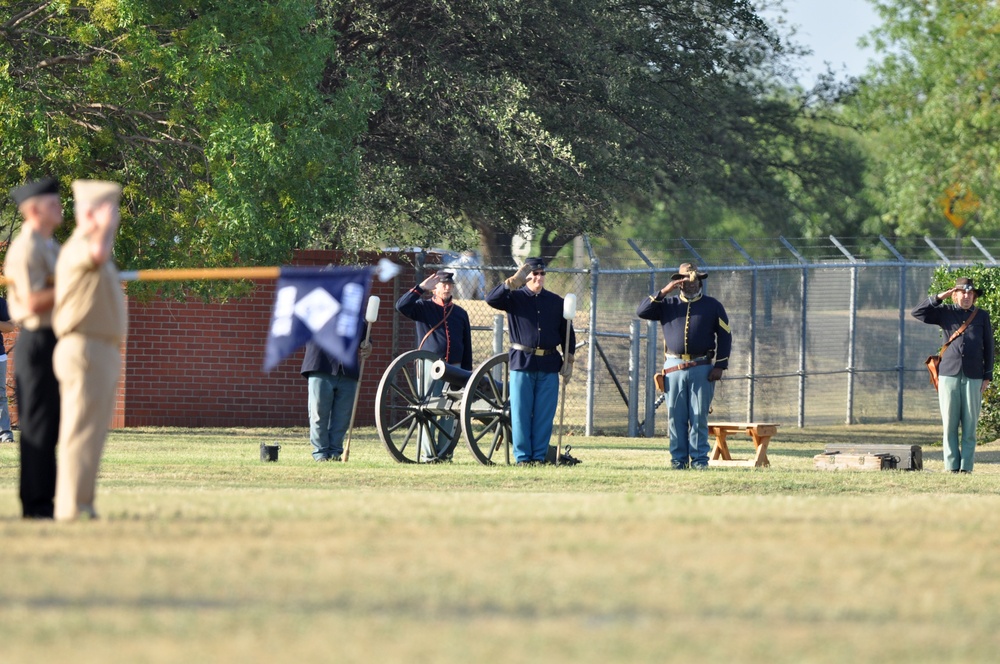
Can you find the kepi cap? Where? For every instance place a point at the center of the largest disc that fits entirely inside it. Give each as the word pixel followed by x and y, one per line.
pixel 94 192
pixel 535 263
pixel 28 190
pixel 964 283
pixel 445 277
pixel 686 270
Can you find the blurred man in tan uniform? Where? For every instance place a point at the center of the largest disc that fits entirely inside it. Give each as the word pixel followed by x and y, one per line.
pixel 90 321
pixel 30 265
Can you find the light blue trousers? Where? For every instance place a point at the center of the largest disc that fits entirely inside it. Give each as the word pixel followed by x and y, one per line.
pixel 331 399
pixel 534 396
pixel 433 440
pixel 689 395
pixel 960 399
pixel 5 433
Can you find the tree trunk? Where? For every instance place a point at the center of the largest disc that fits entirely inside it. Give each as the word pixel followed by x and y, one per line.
pixel 552 242
pixel 494 247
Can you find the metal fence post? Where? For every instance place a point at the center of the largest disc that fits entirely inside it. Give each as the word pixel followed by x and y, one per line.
pixel 802 347
pixel 498 320
pixel 652 354
pixel 852 327
pixel 595 269
pixel 901 334
pixel 852 345
pixel 753 325
pixel 634 333
pixel 901 357
pixel 752 343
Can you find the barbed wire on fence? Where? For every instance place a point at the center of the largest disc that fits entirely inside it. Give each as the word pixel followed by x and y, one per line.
pixel 821 327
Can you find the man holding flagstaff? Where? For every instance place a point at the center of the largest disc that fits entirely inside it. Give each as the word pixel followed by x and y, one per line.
pixel 29 266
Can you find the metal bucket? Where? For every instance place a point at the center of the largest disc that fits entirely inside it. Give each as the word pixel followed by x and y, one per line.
pixel 269 452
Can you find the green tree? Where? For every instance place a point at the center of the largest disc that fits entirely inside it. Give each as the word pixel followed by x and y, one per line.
pixel 219 119
pixel 931 106
pixel 553 114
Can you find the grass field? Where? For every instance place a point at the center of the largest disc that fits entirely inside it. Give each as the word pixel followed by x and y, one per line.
pixel 206 554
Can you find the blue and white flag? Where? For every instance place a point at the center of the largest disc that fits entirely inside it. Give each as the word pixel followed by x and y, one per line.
pixel 321 305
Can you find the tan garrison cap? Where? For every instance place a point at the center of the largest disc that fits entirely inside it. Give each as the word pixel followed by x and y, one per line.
pixel 94 192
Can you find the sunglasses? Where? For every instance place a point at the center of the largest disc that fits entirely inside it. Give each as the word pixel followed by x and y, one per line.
pixel 539 273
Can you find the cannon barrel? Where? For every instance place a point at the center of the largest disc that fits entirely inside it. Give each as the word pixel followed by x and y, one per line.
pixel 457 377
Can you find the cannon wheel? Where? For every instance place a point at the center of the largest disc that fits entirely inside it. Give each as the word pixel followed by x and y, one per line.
pixel 485 411
pixel 404 410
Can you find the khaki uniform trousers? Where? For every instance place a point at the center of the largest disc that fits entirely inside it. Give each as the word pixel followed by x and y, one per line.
pixel 88 369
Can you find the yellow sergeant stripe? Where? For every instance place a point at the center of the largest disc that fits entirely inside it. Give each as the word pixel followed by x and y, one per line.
pixel 725 326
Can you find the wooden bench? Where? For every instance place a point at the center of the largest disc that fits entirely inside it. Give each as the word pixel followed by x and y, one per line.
pixel 760 432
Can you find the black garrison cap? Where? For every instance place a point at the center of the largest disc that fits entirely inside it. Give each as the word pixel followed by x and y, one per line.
pixel 36 188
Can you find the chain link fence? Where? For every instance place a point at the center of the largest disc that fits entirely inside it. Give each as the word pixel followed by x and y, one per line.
pixel 821 328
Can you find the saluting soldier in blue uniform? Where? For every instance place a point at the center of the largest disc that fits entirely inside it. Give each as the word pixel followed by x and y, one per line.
pixel 696 341
pixel 966 367
pixel 537 330
pixel 443 328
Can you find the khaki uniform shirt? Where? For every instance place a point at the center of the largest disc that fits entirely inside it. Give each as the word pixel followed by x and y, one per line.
pixel 89 298
pixel 31 261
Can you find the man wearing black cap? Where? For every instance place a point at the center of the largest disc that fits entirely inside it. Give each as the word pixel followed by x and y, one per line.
pixel 30 265
pixel 537 331
pixel 443 328
pixel 331 389
pixel 966 367
pixel 696 342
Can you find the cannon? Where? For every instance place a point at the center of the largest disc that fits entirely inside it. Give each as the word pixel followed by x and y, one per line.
pixel 424 406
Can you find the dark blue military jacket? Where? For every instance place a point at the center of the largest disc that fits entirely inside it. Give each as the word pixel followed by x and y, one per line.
pixel 452 340
pixel 317 359
pixel 693 328
pixel 535 321
pixel 972 353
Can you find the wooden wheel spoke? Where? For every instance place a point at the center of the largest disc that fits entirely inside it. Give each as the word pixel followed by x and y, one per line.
pixel 486 429
pixel 497 441
pixel 411 398
pixel 404 421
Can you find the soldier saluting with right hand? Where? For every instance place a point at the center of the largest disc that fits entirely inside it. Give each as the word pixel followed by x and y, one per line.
pixel 696 343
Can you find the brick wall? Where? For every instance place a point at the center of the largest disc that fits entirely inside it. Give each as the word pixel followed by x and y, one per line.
pixel 196 364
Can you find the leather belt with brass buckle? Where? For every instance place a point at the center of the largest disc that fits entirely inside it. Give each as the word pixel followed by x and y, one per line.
pixel 686 365
pixel 533 351
pixel 686 357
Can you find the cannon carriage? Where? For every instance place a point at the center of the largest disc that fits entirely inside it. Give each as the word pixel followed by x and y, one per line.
pixel 424 407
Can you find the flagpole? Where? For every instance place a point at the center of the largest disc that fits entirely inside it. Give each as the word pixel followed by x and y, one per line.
pixel 202 273
pixel 192 274
pixel 385 270
pixel 371 315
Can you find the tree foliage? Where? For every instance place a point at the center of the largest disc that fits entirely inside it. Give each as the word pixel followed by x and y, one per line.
pixel 554 114
pixel 932 107
pixel 231 124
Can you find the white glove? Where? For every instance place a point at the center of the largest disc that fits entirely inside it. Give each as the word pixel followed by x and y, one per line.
pixel 365 350
pixel 520 277
pixel 567 367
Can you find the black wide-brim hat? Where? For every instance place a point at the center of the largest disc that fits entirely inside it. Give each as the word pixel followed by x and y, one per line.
pixel 964 283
